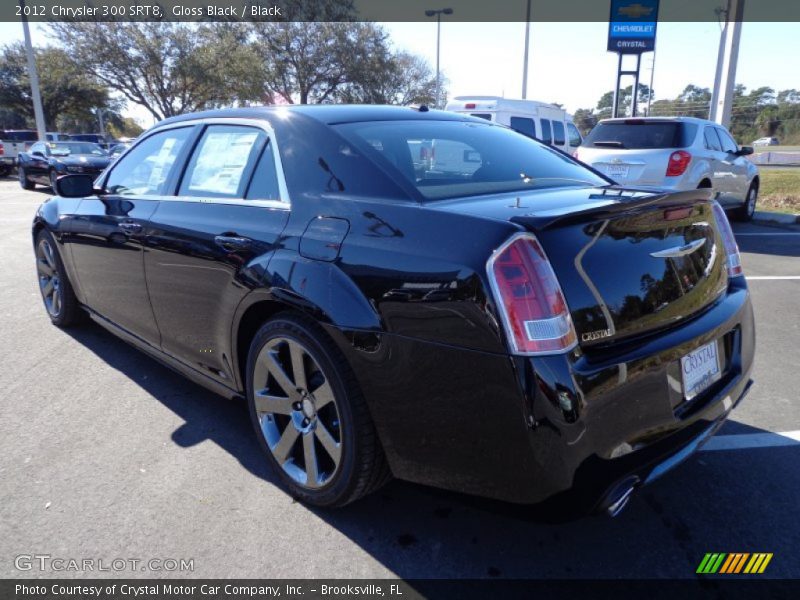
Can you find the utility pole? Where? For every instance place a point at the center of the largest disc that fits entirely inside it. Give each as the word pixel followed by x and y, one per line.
pixel 527 46
pixel 725 79
pixel 33 75
pixel 102 123
pixel 652 77
pixel 438 14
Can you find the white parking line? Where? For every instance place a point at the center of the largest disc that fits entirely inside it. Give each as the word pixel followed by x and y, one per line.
pixel 746 441
pixel 756 277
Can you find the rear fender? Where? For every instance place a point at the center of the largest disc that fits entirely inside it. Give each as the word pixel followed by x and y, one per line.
pixel 320 289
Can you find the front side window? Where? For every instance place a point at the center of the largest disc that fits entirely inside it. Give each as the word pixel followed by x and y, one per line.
pixel 466 159
pixel 547 137
pixel 223 161
pixel 575 138
pixel 711 139
pixel 145 170
pixel 558 133
pixel 523 125
pixel 728 145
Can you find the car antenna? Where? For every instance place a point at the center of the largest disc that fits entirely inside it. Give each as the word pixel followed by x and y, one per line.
pixel 420 107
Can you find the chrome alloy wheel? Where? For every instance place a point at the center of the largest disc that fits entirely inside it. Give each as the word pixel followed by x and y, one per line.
pixel 297 412
pixel 49 281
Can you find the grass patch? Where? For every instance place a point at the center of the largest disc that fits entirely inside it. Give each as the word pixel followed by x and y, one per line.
pixel 780 190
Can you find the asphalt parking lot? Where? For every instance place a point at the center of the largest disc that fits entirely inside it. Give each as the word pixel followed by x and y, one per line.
pixel 107 454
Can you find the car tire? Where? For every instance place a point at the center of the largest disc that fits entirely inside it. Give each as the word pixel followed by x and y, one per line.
pixel 53 178
pixel 745 212
pixel 4 171
pixel 311 420
pixel 58 296
pixel 24 182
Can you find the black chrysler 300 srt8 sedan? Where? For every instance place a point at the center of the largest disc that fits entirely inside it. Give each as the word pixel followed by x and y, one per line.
pixel 492 317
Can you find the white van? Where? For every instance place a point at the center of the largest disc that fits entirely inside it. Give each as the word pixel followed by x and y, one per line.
pixel 546 122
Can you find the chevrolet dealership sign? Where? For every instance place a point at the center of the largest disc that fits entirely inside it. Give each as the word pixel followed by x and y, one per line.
pixel 632 26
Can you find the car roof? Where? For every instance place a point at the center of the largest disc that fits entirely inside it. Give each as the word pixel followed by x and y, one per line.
pixel 661 120
pixel 327 113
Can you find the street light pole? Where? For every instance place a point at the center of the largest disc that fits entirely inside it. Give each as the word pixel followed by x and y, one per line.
pixel 33 75
pixel 438 14
pixel 527 45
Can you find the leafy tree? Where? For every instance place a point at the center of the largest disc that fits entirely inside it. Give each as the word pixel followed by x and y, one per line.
pixel 584 120
pixel 404 79
pixel 119 126
pixel 168 68
pixel 606 102
pixel 311 62
pixel 67 90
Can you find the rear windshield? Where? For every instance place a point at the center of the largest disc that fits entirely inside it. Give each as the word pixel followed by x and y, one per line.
pixel 452 159
pixel 641 135
pixel 19 136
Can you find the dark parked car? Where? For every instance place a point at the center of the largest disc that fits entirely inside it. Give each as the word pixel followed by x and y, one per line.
pixel 525 330
pixel 46 161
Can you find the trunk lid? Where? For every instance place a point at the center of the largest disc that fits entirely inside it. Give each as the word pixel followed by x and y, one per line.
pixel 628 262
pixel 629 167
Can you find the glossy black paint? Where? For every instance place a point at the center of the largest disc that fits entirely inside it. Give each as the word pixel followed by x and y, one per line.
pixel 401 287
pixel 38 163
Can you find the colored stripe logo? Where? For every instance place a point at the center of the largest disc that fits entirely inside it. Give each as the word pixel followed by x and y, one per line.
pixel 734 563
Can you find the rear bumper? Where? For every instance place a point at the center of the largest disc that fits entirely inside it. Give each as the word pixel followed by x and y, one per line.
pixel 8 161
pixel 558 430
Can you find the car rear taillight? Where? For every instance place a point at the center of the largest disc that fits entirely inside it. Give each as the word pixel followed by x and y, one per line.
pixel 530 301
pixel 678 161
pixel 729 241
pixel 469 105
pixel 2 150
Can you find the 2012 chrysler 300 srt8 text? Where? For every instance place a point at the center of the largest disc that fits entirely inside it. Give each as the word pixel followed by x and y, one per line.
pixel 514 326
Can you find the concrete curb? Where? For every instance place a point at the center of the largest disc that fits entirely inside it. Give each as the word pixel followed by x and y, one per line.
pixel 763 216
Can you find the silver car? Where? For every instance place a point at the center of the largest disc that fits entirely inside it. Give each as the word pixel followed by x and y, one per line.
pixel 678 153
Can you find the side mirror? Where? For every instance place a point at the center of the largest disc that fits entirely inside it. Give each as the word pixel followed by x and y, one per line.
pixel 75 186
pixel 745 151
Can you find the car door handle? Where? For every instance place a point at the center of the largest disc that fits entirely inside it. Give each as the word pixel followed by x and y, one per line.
pixel 233 243
pixel 130 228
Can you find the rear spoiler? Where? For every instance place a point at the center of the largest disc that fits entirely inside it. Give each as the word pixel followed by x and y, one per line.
pixel 611 202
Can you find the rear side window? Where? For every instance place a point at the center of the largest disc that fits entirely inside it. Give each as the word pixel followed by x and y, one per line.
pixel 523 125
pixel 640 135
pixel 145 170
pixel 558 133
pixel 711 139
pixel 575 138
pixel 547 138
pixel 223 161
pixel 264 185
pixel 486 116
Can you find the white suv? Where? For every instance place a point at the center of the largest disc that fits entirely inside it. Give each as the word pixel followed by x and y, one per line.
pixel 679 153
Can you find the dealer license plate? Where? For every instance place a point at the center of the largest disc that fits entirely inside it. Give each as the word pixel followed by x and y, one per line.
pixel 700 369
pixel 617 171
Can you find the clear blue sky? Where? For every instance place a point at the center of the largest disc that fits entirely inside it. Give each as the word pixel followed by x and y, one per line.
pixel 568 61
